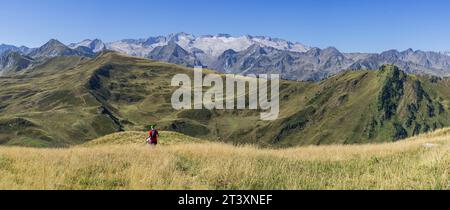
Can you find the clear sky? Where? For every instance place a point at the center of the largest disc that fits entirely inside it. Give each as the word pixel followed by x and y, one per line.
pixel 349 25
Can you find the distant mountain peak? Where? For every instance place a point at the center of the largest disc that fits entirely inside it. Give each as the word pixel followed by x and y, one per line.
pixel 96 45
pixel 54 48
pixel 13 61
pixel 174 53
pixel 331 49
pixel 54 42
pixel 177 36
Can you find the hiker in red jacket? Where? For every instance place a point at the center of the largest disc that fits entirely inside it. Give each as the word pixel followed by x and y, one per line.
pixel 152 136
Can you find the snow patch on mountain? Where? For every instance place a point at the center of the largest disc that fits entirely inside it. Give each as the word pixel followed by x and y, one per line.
pixel 211 46
pixel 95 45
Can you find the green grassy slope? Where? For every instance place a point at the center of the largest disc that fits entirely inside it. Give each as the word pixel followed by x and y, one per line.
pixel 51 107
pixel 72 100
pixel 361 107
pixel 122 161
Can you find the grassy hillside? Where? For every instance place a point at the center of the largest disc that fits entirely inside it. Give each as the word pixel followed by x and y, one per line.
pixel 122 161
pixel 70 100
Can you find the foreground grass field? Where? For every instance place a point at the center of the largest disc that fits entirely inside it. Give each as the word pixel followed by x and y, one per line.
pixel 123 161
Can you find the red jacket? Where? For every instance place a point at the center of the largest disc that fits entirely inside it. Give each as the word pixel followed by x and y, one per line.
pixel 153 139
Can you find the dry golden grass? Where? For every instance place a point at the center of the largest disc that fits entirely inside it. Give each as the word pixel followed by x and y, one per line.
pixel 123 161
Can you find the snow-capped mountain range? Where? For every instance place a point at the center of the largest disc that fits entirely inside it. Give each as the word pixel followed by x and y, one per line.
pixel 235 54
pixel 95 45
pixel 212 45
pixel 205 48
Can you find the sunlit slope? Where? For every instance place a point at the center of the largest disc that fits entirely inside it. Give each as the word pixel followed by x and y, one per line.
pixel 53 104
pixel 122 161
pixel 352 107
pixel 70 100
pixel 139 138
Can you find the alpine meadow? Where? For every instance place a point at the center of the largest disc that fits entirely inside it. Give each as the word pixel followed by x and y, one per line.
pixel 114 94
pixel 295 95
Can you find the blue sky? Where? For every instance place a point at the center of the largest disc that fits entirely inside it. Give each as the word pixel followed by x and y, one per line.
pixel 349 25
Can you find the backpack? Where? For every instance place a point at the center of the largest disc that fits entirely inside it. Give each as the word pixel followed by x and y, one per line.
pixel 153 134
